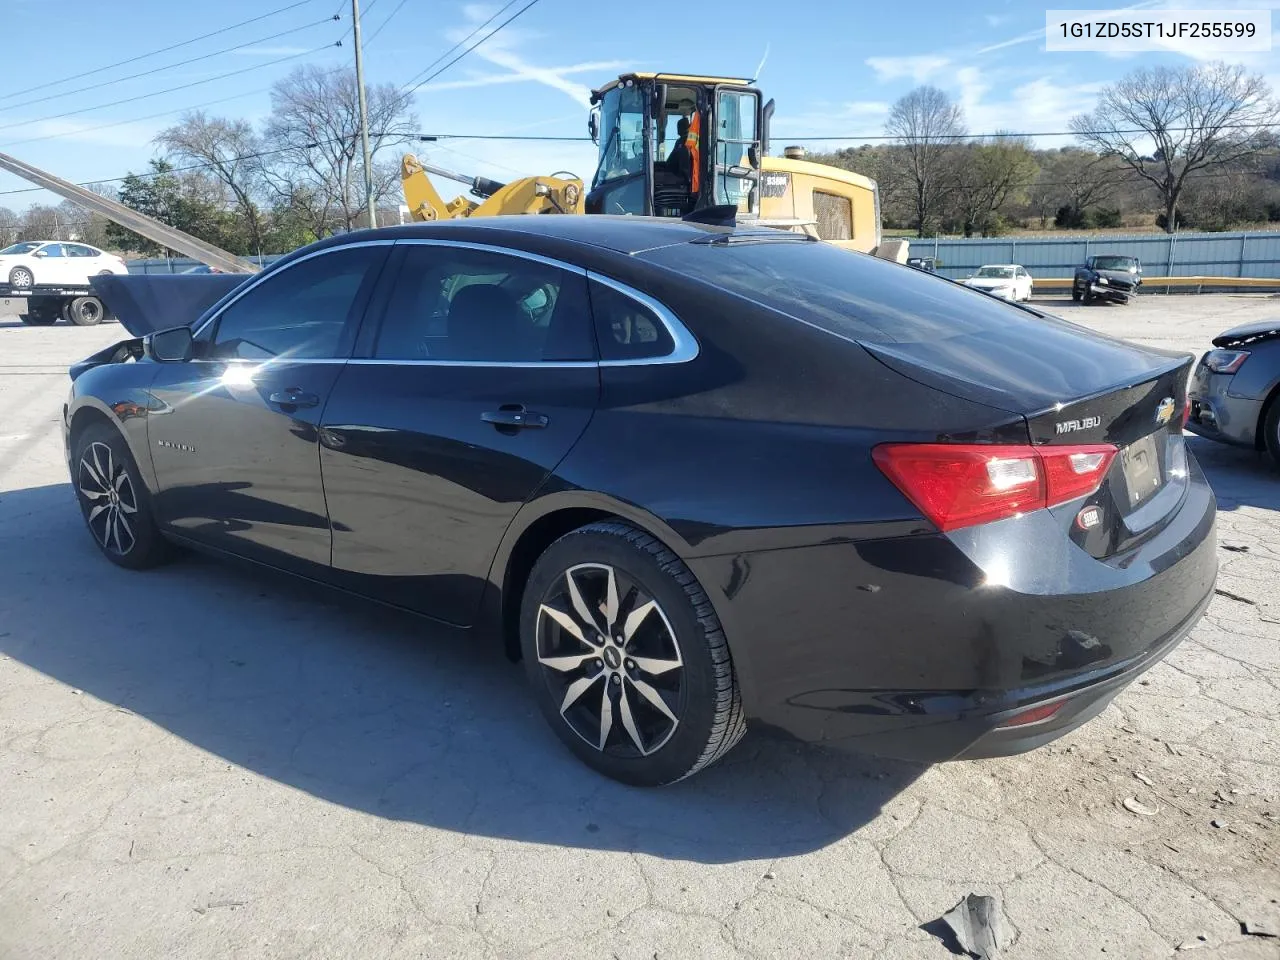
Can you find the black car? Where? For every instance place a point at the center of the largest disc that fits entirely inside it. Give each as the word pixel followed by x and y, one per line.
pixel 1107 277
pixel 698 477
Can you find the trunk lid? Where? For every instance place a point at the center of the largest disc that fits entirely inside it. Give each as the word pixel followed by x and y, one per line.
pixel 1249 333
pixel 1078 388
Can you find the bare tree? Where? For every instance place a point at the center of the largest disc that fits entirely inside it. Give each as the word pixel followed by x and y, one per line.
pixel 987 175
pixel 1196 117
pixel 10 224
pixel 314 136
pixel 229 151
pixel 927 125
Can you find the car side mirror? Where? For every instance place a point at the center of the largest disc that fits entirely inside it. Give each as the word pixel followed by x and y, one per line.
pixel 593 125
pixel 174 345
pixel 40 253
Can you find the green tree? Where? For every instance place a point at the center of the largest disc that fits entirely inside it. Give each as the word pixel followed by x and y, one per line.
pixel 187 202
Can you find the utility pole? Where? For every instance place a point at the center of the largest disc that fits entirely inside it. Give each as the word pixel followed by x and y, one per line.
pixel 364 115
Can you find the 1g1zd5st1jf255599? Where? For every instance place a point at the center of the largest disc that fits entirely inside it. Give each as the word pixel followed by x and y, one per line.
pixel 696 477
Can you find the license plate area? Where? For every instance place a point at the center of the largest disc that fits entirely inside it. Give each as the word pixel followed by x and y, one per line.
pixel 1143 476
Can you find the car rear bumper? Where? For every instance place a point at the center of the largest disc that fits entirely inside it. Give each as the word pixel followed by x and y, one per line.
pixel 1217 415
pixel 906 649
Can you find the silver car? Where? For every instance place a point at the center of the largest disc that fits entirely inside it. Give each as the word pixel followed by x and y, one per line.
pixel 1235 390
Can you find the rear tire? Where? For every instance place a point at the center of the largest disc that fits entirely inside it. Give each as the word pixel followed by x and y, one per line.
pixel 659 705
pixel 121 523
pixel 86 311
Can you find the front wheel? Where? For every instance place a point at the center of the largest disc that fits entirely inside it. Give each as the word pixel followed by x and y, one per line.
pixel 627 658
pixel 114 500
pixel 20 278
pixel 1076 293
pixel 1271 430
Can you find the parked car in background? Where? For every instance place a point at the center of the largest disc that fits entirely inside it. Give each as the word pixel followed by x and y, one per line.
pixel 696 477
pixel 34 263
pixel 1008 281
pixel 1109 277
pixel 1235 390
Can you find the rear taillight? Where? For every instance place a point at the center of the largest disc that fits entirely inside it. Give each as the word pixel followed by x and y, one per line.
pixel 959 485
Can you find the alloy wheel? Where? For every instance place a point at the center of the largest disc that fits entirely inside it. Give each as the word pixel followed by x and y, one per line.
pixel 112 502
pixel 610 657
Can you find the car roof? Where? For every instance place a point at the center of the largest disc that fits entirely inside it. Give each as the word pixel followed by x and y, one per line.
pixel 620 234
pixel 985 265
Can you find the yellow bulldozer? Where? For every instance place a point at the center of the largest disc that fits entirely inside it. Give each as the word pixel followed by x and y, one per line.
pixel 679 145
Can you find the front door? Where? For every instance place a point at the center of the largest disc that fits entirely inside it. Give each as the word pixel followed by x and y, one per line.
pixel 55 266
pixel 235 442
pixel 736 149
pixel 477 382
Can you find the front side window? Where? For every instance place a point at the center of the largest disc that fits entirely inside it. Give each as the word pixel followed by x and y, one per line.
pixel 304 312
pixel 479 306
pixel 18 249
pixel 52 250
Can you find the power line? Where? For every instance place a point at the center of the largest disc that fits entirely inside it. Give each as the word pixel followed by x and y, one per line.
pixel 858 136
pixel 414 84
pixel 153 53
pixel 171 66
pixel 399 7
pixel 185 86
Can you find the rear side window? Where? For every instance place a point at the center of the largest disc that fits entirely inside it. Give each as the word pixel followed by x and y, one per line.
pixel 478 306
pixel 626 328
pixel 853 295
pixel 303 312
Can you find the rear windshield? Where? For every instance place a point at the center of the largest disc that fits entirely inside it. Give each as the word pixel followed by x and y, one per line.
pixel 853 295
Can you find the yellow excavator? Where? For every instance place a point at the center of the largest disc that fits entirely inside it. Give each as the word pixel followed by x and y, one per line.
pixel 679 145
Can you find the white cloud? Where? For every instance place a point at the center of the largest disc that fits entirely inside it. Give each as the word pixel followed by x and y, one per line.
pixel 487 80
pixel 500 49
pixel 121 135
pixel 918 68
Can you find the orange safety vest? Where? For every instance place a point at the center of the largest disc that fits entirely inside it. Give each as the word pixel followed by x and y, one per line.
pixel 693 140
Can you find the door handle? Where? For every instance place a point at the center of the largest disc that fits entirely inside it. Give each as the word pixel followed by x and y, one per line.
pixel 294 397
pixel 513 416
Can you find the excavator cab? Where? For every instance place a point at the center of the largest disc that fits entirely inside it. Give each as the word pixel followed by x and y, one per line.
pixel 649 166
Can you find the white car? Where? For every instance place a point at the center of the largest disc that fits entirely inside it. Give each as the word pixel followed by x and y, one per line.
pixel 54 263
pixel 1009 281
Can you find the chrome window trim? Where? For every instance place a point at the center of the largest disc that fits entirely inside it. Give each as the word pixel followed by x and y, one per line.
pixel 685 345
pixel 493 248
pixel 264 275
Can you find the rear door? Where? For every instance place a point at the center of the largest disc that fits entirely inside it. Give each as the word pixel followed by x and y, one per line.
pixel 475 382
pixel 235 442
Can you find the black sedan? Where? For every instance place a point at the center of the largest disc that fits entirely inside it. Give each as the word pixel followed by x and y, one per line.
pixel 697 477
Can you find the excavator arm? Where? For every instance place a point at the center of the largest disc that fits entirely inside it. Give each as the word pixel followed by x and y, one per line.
pixel 558 193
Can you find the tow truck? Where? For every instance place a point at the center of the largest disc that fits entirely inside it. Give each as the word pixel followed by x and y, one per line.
pixel 45 304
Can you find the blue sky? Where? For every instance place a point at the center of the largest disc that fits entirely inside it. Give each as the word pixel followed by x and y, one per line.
pixel 834 69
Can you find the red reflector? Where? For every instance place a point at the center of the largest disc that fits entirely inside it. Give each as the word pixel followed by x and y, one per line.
pixel 1033 714
pixel 1186 412
pixel 958 485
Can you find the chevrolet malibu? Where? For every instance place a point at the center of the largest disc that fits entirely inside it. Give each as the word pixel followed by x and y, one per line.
pixel 698 478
